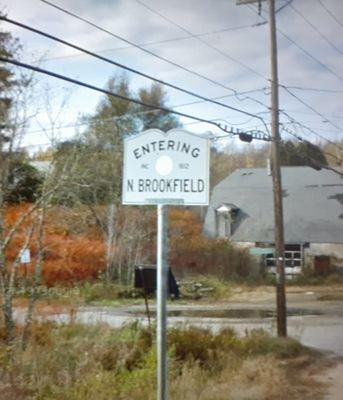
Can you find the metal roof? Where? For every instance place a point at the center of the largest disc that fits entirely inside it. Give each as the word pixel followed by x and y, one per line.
pixel 313 205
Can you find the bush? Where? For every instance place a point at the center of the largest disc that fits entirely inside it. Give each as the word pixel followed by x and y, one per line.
pixel 24 182
pixel 100 291
pixel 74 362
pixel 260 343
pixel 192 252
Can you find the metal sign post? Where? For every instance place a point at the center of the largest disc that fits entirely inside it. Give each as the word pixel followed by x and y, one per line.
pixel 165 168
pixel 162 274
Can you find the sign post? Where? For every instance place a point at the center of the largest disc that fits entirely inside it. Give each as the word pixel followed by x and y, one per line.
pixel 162 274
pixel 165 168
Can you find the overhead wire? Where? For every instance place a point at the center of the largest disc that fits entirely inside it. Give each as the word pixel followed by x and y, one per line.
pixel 151 53
pixel 302 49
pixel 127 68
pixel 330 13
pixel 216 49
pixel 315 29
pixel 182 114
pixel 328 167
pixel 135 45
pixel 311 108
pixel 164 41
pixel 310 55
pixel 301 88
pixel 116 95
pixel 300 124
pixel 314 89
pixel 294 121
pixel 283 6
pixel 75 125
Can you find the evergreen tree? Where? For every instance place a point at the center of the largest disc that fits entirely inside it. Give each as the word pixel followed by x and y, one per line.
pixel 156 95
pixel 302 154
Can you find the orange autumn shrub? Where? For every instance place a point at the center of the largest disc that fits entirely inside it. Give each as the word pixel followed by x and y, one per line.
pixel 74 248
pixel 67 258
pixel 72 259
pixel 12 215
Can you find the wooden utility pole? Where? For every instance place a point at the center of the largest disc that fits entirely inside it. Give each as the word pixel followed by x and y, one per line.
pixel 276 175
pixel 277 187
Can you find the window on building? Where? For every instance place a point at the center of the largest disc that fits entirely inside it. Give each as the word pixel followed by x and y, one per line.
pixel 226 216
pixel 293 260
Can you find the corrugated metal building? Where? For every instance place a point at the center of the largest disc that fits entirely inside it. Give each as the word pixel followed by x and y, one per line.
pixel 241 208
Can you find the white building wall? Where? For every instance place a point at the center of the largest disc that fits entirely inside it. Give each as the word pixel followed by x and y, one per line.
pixel 333 250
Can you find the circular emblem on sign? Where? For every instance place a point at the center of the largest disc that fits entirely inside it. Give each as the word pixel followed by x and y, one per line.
pixel 164 165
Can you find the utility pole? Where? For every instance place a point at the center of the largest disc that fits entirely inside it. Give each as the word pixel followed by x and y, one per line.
pixel 276 175
pixel 277 187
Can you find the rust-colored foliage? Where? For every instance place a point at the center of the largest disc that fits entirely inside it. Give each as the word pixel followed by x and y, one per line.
pixel 72 259
pixel 67 257
pixel 74 247
pixel 12 215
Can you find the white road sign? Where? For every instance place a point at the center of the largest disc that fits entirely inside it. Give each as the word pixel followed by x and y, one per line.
pixel 166 168
pixel 25 256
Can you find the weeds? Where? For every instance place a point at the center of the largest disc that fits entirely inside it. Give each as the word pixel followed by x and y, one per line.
pixel 312 278
pixel 74 362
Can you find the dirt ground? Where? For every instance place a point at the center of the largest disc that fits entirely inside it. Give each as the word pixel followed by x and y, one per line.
pixel 332 378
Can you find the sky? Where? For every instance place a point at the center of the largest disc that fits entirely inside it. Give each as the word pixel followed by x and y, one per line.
pixel 227 44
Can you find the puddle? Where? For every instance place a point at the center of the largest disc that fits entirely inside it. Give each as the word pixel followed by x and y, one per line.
pixel 242 313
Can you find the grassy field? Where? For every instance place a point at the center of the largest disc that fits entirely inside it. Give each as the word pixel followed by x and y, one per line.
pixel 74 362
pixel 200 288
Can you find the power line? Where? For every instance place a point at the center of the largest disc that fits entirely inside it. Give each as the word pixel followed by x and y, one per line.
pixel 135 71
pixel 259 135
pixel 301 139
pixel 75 125
pixel 310 55
pixel 200 39
pixel 276 11
pixel 151 53
pixel 171 40
pixel 231 133
pixel 203 101
pixel 294 121
pixel 306 52
pixel 311 113
pixel 318 127
pixel 315 29
pixel 302 88
pixel 310 107
pixel 100 120
pixel 314 89
pixel 330 13
pixel 283 6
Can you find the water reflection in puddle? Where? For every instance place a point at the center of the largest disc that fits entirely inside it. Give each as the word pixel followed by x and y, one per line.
pixel 242 313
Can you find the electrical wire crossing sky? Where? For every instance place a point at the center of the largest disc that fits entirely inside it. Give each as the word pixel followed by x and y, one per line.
pixel 217 51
